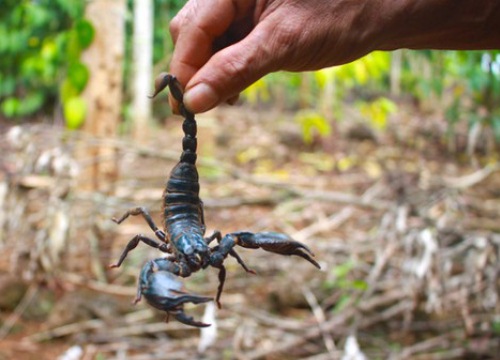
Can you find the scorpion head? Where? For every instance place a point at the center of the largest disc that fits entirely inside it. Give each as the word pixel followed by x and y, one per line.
pixel 194 249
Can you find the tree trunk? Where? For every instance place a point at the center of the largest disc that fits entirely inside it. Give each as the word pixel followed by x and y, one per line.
pixel 143 64
pixel 103 94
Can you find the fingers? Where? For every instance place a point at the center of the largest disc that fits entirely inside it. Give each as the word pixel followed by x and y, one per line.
pixel 198 29
pixel 223 46
pixel 234 68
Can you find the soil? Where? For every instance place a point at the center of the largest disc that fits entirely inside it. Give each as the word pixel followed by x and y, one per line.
pixel 365 201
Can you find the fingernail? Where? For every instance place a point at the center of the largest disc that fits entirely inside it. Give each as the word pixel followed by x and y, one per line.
pixel 200 98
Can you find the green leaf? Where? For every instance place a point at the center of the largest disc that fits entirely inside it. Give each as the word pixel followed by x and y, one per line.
pixel 378 111
pixel 312 122
pixel 256 92
pixel 7 84
pixel 324 76
pixel 10 106
pixel 75 110
pixel 341 304
pixel 78 75
pixel 67 90
pixel 31 103
pixel 49 50
pixel 341 271
pixel 85 33
pixel 359 285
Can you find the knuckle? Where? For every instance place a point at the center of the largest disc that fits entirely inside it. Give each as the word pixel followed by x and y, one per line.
pixel 175 23
pixel 174 27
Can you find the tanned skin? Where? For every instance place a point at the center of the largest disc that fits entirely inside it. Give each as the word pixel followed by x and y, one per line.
pixel 223 46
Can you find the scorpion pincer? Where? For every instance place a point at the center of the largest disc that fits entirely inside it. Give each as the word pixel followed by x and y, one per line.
pixel 184 228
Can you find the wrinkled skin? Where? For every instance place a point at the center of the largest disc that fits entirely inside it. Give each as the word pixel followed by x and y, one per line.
pixel 223 46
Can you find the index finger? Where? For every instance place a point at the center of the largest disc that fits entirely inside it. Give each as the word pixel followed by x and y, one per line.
pixel 197 29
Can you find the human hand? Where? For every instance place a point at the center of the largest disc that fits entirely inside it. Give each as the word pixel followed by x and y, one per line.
pixel 223 46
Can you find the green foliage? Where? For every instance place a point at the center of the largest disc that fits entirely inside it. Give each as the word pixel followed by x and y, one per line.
pixel 370 70
pixel 312 123
pixel 39 55
pixel 321 92
pixel 378 111
pixel 479 74
pixel 257 92
pixel 495 326
pixel 75 110
pixel 467 83
pixel 341 280
pixel 40 69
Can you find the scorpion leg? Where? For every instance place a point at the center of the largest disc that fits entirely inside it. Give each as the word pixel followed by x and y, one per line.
pixel 219 254
pixel 240 261
pixel 222 280
pixel 145 214
pixel 132 244
pixel 163 291
pixel 274 242
pixel 217 235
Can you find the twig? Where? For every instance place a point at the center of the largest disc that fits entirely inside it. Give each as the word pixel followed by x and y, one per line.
pixel 99 286
pixel 272 320
pixel 422 346
pixel 320 318
pixel 387 314
pixel 470 180
pixel 335 324
pixel 66 330
pixel 330 223
pixel 19 310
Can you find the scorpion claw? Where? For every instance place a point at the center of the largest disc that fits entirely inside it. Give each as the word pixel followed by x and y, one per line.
pixel 188 320
pixel 277 243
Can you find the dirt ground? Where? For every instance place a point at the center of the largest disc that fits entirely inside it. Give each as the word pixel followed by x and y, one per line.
pixel 403 222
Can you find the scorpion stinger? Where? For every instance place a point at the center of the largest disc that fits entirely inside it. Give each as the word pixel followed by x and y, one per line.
pixel 183 238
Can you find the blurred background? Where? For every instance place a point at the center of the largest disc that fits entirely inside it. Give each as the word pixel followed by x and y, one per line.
pixel 388 168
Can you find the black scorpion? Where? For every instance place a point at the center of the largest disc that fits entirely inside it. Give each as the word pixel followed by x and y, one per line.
pixel 184 228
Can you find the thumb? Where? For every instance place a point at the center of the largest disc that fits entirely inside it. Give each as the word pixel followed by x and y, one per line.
pixel 231 70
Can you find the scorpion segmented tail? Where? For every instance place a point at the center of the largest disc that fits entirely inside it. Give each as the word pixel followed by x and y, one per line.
pixel 183 212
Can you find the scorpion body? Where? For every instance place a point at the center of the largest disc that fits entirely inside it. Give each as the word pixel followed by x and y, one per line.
pixel 184 229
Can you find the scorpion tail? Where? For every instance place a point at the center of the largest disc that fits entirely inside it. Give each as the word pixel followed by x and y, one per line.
pixel 163 80
pixel 160 286
pixel 275 242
